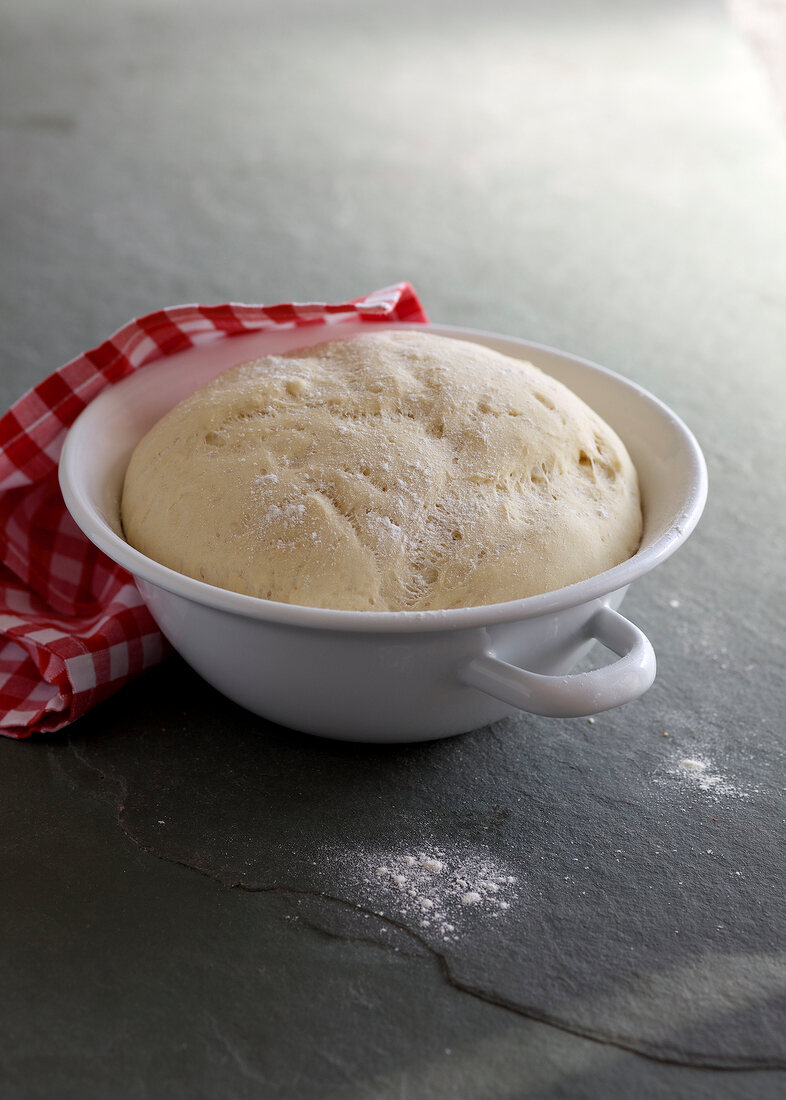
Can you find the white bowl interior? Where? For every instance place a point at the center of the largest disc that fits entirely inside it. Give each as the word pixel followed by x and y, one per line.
pixel 670 465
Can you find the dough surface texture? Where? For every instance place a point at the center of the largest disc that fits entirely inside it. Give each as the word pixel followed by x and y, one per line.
pixel 384 472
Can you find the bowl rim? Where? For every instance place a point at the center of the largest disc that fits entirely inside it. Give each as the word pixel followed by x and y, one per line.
pixel 145 569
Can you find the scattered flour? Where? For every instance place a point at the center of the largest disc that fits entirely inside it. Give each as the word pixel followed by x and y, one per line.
pixel 698 773
pixel 438 889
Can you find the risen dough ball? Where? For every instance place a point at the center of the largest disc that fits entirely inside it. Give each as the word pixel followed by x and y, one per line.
pixel 390 471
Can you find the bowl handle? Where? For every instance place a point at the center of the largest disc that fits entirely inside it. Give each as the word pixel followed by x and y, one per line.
pixel 583 692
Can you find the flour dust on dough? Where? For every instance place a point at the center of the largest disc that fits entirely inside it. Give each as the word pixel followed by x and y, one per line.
pixel 391 471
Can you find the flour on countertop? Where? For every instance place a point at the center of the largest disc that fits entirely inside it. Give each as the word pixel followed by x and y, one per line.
pixel 437 889
pixel 698 773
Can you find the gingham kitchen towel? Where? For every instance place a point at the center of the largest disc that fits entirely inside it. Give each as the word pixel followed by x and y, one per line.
pixel 73 628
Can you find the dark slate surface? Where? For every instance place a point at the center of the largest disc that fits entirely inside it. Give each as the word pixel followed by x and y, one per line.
pixel 189 900
pixel 129 976
pixel 647 912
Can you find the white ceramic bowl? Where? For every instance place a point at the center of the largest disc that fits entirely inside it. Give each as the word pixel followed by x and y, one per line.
pixel 395 676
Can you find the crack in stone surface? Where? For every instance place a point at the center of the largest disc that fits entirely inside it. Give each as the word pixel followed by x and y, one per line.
pixel 426 949
pixel 154 789
pixel 488 997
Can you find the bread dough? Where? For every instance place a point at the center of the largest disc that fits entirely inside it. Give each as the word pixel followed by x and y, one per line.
pixel 391 471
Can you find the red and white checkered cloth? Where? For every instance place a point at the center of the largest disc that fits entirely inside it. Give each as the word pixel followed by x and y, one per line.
pixel 73 628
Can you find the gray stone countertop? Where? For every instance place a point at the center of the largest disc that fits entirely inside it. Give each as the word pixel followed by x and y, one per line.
pixel 191 904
